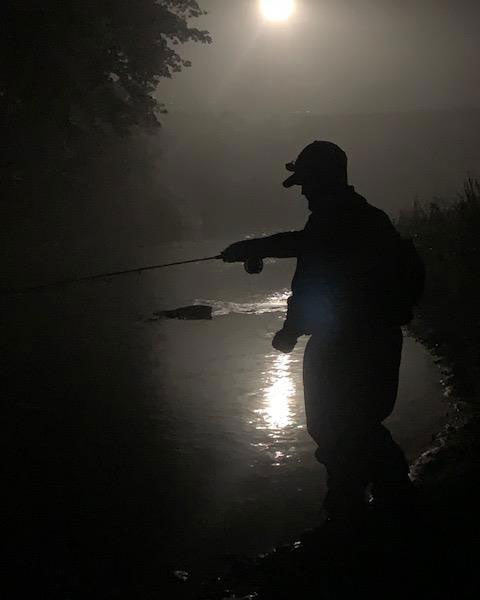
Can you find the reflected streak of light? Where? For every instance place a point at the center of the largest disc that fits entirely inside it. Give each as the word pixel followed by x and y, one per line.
pixel 278 394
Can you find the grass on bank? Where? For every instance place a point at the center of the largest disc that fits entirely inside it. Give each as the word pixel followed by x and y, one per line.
pixel 447 235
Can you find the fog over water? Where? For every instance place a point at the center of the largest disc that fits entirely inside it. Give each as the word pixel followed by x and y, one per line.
pixel 207 176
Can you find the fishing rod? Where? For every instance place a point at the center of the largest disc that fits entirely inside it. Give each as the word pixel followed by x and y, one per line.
pixel 252 266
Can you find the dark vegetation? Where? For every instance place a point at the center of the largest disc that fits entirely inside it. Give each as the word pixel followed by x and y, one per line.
pixel 448 320
pixel 77 101
pixel 72 69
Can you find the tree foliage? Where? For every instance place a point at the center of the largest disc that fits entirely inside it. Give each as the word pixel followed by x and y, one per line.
pixel 82 65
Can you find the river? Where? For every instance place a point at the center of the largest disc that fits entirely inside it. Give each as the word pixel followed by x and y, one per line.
pixel 168 443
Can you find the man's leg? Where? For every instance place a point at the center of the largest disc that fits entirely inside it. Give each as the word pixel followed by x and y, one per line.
pixel 360 458
pixel 386 465
pixel 388 471
pixel 350 387
pixel 327 388
pixel 346 482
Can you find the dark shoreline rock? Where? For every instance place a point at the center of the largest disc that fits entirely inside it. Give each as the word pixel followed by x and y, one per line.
pixel 196 312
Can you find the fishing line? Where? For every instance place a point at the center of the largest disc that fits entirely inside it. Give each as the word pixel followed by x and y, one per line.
pixel 251 265
pixel 36 288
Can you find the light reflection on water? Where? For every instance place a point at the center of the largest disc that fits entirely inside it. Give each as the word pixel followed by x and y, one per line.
pixel 278 394
pixel 277 412
pixel 272 303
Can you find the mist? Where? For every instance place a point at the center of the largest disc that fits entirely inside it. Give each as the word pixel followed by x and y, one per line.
pixel 158 424
pixel 395 86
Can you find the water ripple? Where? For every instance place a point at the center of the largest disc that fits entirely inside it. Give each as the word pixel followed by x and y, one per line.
pixel 273 303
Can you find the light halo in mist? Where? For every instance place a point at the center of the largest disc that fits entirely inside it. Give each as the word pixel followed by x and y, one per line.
pixel 277 10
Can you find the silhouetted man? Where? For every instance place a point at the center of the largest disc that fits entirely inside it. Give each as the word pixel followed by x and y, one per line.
pixel 344 294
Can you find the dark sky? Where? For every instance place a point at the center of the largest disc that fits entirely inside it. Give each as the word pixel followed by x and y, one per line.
pixel 334 56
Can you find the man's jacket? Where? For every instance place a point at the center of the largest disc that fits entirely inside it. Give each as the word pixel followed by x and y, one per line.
pixel 346 267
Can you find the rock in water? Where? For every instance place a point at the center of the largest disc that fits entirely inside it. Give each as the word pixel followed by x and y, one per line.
pixel 193 313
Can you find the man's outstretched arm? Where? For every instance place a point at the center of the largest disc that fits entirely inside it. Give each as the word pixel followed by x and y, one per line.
pixel 280 245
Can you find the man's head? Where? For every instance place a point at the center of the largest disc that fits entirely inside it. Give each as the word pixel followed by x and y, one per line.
pixel 321 170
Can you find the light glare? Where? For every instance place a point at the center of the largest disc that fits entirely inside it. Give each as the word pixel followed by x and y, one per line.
pixel 277 10
pixel 279 393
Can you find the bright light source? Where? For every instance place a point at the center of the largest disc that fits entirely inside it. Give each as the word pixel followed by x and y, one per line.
pixel 277 10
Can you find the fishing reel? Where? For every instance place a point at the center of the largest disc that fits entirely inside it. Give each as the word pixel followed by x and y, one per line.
pixel 253 266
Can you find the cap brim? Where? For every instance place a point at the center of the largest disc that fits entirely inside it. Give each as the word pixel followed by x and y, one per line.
pixel 292 180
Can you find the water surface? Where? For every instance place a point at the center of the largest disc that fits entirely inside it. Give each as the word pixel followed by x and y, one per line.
pixel 169 443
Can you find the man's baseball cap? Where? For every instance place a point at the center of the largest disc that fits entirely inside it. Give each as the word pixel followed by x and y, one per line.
pixel 320 159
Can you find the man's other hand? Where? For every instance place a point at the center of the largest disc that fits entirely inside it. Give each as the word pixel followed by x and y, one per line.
pixel 237 252
pixel 284 341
